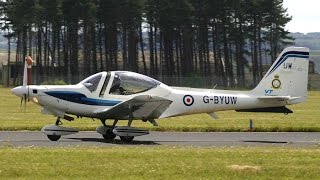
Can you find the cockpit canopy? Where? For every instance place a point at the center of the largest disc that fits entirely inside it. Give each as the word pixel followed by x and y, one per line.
pixel 123 83
pixel 126 83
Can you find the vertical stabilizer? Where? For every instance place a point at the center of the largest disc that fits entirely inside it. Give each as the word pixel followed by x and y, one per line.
pixel 288 76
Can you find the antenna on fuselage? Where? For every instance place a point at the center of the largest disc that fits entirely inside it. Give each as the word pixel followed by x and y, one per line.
pixel 215 86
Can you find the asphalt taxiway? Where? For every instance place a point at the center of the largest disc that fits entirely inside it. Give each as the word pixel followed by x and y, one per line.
pixel 218 139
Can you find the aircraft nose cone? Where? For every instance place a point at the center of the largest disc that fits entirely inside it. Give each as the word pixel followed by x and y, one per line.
pixel 19 91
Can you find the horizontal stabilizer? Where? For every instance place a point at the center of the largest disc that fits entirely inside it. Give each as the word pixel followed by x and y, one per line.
pixel 280 98
pixel 283 98
pixel 281 109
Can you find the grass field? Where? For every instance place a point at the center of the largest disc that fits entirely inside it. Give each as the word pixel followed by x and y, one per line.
pixel 162 162
pixel 306 117
pixel 159 163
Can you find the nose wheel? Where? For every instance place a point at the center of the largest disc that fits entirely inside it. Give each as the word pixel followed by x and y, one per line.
pixel 54 137
pixel 55 131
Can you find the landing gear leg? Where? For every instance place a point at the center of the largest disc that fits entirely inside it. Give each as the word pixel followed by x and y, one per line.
pixel 109 135
pixel 114 123
pixel 129 123
pixel 58 121
pixel 103 121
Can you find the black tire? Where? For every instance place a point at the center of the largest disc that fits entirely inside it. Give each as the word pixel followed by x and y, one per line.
pixel 126 138
pixel 54 137
pixel 109 136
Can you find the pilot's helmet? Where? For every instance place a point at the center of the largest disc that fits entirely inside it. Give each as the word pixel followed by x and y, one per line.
pixel 116 81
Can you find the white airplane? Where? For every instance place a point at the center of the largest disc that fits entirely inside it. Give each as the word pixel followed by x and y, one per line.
pixel 123 95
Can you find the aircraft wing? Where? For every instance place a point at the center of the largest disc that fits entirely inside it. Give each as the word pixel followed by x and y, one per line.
pixel 143 107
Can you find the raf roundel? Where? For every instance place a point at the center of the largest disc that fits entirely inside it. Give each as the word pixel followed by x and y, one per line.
pixel 188 100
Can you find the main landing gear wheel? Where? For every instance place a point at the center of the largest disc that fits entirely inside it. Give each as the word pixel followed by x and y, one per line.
pixel 126 138
pixel 54 137
pixel 109 136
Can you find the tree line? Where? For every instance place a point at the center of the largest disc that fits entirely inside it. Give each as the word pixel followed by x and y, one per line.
pixel 172 38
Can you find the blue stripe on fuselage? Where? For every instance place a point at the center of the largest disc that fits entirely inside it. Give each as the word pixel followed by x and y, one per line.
pixel 79 98
pixel 285 56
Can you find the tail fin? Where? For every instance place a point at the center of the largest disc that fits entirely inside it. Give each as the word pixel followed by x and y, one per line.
pixel 288 76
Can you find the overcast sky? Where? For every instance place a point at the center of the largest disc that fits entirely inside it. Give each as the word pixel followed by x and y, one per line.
pixel 305 15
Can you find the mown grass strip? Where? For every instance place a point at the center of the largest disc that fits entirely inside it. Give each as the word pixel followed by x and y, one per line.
pixel 306 118
pixel 141 162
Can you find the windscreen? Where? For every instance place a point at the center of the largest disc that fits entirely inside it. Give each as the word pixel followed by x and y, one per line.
pixel 92 82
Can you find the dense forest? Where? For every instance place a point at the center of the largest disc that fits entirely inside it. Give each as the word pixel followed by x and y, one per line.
pixel 224 39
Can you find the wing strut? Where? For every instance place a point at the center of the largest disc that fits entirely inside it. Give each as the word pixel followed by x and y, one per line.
pixel 130 114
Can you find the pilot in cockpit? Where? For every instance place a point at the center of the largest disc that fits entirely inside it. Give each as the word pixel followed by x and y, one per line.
pixel 116 87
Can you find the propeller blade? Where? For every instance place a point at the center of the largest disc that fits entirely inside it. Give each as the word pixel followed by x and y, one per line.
pixel 25 102
pixel 21 102
pixel 28 94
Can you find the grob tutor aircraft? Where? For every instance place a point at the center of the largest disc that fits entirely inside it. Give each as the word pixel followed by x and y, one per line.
pixel 124 95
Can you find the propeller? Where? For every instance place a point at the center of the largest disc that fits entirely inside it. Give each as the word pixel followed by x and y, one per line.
pixel 23 91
